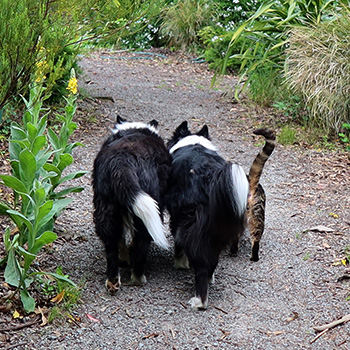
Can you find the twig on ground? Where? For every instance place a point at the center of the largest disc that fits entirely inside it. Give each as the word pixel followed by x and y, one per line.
pixel 20 326
pixel 14 346
pixel 344 319
pixel 319 335
pixel 220 309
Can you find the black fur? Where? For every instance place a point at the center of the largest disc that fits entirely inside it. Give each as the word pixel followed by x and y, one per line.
pixel 131 162
pixel 205 212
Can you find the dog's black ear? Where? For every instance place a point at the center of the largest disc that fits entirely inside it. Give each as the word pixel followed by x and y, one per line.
pixel 120 120
pixel 182 129
pixel 153 123
pixel 204 132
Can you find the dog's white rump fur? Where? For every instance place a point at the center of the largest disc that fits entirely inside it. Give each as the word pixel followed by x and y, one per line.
pixel 193 140
pixel 134 125
pixel 241 186
pixel 146 208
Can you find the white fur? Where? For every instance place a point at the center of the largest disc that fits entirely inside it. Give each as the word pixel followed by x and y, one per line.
pixel 134 125
pixel 196 303
pixel 138 281
pixel 241 186
pixel 146 208
pixel 193 140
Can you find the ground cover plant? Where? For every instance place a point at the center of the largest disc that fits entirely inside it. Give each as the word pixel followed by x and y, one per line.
pixel 38 157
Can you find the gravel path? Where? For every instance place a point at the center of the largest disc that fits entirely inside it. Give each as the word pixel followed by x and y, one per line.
pixel 268 305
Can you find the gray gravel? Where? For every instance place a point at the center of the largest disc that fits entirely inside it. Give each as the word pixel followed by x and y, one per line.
pixel 271 304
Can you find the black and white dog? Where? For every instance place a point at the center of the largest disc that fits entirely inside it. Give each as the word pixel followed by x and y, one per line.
pixel 207 202
pixel 129 180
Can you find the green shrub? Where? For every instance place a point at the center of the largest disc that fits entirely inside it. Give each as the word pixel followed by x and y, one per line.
pixel 318 68
pixel 345 136
pixel 266 33
pixel 38 158
pixel 182 21
pixel 287 136
pixel 33 44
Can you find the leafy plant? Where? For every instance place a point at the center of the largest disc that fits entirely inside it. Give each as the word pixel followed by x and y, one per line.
pixel 266 33
pixel 345 136
pixel 63 294
pixel 37 165
pixel 182 21
pixel 287 136
pixel 318 68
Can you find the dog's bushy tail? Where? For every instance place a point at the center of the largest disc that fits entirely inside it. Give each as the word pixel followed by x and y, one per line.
pixel 127 190
pixel 231 191
pixel 260 160
pixel 146 208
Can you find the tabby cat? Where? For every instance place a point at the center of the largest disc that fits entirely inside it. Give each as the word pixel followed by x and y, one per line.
pixel 257 198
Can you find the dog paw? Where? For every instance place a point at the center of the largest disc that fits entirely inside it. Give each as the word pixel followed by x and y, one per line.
pixel 113 287
pixel 181 263
pixel 138 280
pixel 196 304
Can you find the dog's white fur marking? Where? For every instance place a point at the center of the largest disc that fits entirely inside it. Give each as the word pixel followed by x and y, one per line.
pixel 196 303
pixel 193 140
pixel 138 281
pixel 146 208
pixel 241 186
pixel 113 287
pixel 134 125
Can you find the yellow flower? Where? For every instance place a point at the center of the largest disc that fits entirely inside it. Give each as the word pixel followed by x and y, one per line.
pixel 41 68
pixel 73 85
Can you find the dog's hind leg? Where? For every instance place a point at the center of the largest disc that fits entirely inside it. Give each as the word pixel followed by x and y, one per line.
pixel 110 232
pixel 180 259
pixel 138 252
pixel 113 282
pixel 204 274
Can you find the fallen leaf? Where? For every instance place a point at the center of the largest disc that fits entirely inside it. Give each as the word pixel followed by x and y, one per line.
pixel 321 228
pixel 275 333
pixel 92 318
pixel 16 314
pixel 59 297
pixel 152 335
pixel 293 317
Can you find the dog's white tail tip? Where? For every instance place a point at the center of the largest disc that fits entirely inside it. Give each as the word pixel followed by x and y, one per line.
pixel 146 208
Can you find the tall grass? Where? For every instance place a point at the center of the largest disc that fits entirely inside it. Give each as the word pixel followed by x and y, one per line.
pixel 183 20
pixel 318 67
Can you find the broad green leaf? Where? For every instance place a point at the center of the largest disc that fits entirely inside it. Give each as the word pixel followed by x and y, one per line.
pixel 17 133
pixel 54 140
pixel 28 257
pixel 58 206
pixel 65 160
pixel 27 301
pixel 38 144
pixel 4 208
pixel 27 167
pixel 56 276
pixel 14 183
pixel 21 219
pixel 46 238
pixel 7 239
pixel 50 167
pixel 32 132
pixel 44 210
pixel 39 195
pixel 42 125
pixel 72 176
pixel 64 192
pixel 12 271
